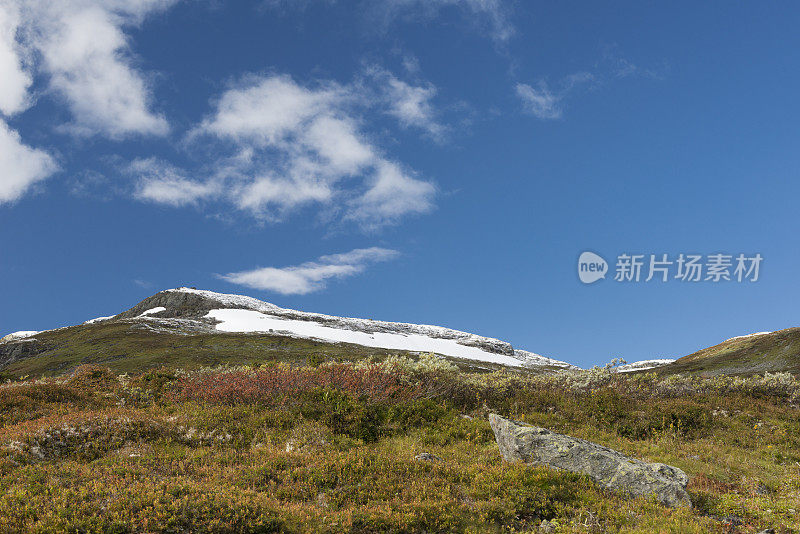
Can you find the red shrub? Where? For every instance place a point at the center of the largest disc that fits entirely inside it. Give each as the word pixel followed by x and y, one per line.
pixel 276 385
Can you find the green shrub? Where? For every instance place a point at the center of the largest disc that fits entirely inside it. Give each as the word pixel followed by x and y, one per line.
pixel 315 359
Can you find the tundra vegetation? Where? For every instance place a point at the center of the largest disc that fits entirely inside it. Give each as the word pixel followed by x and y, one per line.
pixel 322 446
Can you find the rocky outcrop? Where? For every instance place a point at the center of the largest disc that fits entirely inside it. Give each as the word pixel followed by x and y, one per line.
pixel 609 468
pixel 20 349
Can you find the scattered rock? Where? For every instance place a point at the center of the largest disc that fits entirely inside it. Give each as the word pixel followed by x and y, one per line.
pixel 767 531
pixel 732 520
pixel 548 527
pixel 427 457
pixel 762 489
pixel 609 468
pixel 308 437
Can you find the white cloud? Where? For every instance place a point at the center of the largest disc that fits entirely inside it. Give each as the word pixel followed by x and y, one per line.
pixel 87 57
pixel 20 166
pixel 15 78
pixel 310 276
pixel 391 195
pixel 411 105
pixel 301 145
pixel 491 14
pixel 83 52
pixel 162 183
pixel 539 102
pixel 265 110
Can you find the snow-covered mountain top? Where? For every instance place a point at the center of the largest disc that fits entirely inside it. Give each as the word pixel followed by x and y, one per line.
pixel 351 323
pixel 16 336
pixel 238 313
pixel 230 300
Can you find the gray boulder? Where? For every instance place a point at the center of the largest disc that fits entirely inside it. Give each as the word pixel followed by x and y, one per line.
pixel 609 468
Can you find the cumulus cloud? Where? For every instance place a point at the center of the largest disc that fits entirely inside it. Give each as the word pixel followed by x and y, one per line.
pixel 311 276
pixel 297 145
pixel 86 56
pixel 391 195
pixel 20 165
pixel 16 79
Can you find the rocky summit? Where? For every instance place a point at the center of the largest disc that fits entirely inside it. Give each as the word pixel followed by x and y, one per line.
pixel 611 469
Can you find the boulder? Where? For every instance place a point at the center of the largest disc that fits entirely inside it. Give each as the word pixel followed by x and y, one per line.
pixel 609 468
pixel 427 457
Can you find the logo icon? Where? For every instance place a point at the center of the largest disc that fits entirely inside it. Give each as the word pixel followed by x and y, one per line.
pixel 591 267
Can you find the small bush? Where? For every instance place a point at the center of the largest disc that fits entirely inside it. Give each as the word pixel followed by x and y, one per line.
pixel 91 377
pixel 315 359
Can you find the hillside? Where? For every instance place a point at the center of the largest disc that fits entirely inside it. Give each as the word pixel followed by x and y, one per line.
pixel 205 412
pixel 188 328
pixel 744 355
pixel 400 447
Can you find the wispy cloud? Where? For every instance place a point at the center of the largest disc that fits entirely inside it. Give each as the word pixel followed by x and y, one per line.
pixel 492 16
pixel 539 101
pixel 547 102
pixel 162 183
pixel 410 104
pixel 143 283
pixel 311 276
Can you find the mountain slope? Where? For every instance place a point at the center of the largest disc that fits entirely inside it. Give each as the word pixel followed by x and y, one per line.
pixel 186 327
pixel 744 355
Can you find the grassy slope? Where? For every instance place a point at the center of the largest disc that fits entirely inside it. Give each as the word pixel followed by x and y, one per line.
pixel 778 351
pixel 123 348
pixel 209 454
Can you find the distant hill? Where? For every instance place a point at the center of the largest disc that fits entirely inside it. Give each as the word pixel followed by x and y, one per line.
pixel 744 355
pixel 186 327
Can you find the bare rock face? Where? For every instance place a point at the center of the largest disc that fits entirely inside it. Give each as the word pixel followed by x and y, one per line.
pixel 609 468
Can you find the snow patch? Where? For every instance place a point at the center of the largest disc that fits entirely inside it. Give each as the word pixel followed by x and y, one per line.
pixel 369 326
pixel 643 365
pixel 98 319
pixel 749 335
pixel 532 359
pixel 22 334
pixel 151 311
pixel 237 320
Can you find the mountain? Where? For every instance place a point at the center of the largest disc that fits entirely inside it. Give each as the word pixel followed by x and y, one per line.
pixel 744 355
pixel 187 327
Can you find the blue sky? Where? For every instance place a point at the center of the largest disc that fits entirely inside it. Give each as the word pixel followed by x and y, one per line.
pixel 441 162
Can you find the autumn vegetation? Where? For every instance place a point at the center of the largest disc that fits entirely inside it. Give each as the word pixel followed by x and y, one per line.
pixel 330 447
